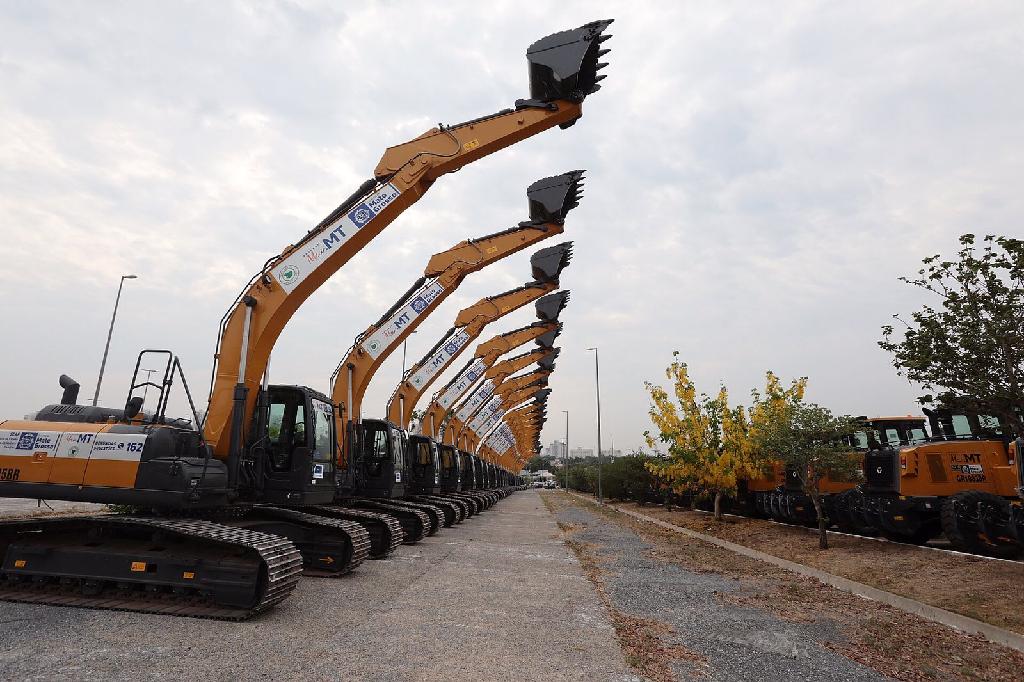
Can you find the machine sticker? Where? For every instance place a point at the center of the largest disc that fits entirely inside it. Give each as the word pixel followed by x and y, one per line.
pixel 318 471
pixel 485 391
pixel 967 467
pixel 117 446
pixel 439 360
pixel 375 343
pixel 398 477
pixel 488 410
pixel 461 383
pixel 29 443
pixel 10 474
pixel 73 445
pixel 297 266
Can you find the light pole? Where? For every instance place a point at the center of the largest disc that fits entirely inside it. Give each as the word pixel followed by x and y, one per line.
pixel 597 385
pixel 110 332
pixel 566 450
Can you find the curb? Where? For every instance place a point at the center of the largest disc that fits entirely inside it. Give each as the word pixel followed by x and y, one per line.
pixel 932 613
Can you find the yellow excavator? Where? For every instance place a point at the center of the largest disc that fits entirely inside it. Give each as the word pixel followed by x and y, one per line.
pixel 550 200
pixel 217 532
pixel 437 415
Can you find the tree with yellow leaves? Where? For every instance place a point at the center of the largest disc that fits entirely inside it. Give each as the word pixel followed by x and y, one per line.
pixel 709 444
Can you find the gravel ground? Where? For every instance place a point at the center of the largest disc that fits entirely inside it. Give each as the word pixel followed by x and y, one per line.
pixel 498 597
pixel 721 641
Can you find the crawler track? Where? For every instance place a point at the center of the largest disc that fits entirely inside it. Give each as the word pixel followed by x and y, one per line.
pixel 263 568
pixel 385 531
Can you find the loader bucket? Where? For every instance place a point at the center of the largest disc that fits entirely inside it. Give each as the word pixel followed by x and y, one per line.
pixel 547 339
pixel 550 306
pixel 547 264
pixel 552 198
pixel 564 65
pixel 548 361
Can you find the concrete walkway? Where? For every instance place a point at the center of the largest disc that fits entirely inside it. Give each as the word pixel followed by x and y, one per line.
pixel 499 597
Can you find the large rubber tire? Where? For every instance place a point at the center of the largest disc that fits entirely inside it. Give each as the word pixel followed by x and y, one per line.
pixel 961 525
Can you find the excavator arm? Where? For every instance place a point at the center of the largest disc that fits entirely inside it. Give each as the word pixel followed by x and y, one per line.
pixel 563 72
pixel 493 379
pixel 550 200
pixel 487 353
pixel 468 325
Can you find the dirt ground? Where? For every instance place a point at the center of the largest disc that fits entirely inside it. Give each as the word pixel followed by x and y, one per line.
pixel 893 643
pixel 989 591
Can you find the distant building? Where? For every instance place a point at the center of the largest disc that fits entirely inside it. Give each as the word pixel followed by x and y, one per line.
pixel 556 449
pixel 611 452
pixel 580 453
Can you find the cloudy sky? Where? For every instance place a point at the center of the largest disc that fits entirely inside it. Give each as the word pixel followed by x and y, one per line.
pixel 759 175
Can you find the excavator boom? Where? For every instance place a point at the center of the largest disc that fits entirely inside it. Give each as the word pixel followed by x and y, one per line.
pixel 550 201
pixel 468 325
pixel 563 71
pixel 481 365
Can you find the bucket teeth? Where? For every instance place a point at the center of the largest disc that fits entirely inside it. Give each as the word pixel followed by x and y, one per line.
pixel 548 361
pixel 564 65
pixel 550 306
pixel 547 264
pixel 552 198
pixel 547 339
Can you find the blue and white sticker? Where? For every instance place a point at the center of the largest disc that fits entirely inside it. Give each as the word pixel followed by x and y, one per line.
pixel 297 266
pixel 439 360
pixel 461 383
pixel 389 331
pixel 318 471
pixel 482 393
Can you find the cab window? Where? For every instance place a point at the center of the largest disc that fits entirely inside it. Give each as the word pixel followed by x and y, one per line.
pixel 323 430
pixel 286 428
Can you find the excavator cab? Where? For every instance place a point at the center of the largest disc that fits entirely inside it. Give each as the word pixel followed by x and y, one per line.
pixel 451 469
pixel 424 466
pixel 295 440
pixel 382 459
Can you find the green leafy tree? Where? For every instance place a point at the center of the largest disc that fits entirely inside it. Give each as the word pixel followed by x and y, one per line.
pixel 809 440
pixel 969 348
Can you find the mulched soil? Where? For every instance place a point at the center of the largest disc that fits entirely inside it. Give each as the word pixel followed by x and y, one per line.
pixel 896 644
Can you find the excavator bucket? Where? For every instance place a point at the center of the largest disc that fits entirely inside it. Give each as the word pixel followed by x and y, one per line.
pixel 564 65
pixel 547 339
pixel 547 264
pixel 549 307
pixel 552 198
pixel 548 361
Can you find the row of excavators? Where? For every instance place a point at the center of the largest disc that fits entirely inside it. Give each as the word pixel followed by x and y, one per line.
pixel 220 516
pixel 951 474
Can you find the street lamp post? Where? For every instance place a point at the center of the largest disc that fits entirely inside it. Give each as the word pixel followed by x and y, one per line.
pixel 597 385
pixel 110 332
pixel 566 450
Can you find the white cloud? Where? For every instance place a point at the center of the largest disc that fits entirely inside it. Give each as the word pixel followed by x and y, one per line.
pixel 758 176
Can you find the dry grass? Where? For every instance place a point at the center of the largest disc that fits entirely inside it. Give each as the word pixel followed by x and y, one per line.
pixel 897 644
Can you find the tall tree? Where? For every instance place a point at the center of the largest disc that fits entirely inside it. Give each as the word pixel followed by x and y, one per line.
pixel 708 448
pixel 970 347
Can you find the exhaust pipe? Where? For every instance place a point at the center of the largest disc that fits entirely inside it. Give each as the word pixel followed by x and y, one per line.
pixel 552 198
pixel 550 306
pixel 70 387
pixel 564 65
pixel 547 264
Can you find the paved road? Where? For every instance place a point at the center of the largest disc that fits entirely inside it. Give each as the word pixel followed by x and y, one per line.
pixel 498 597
